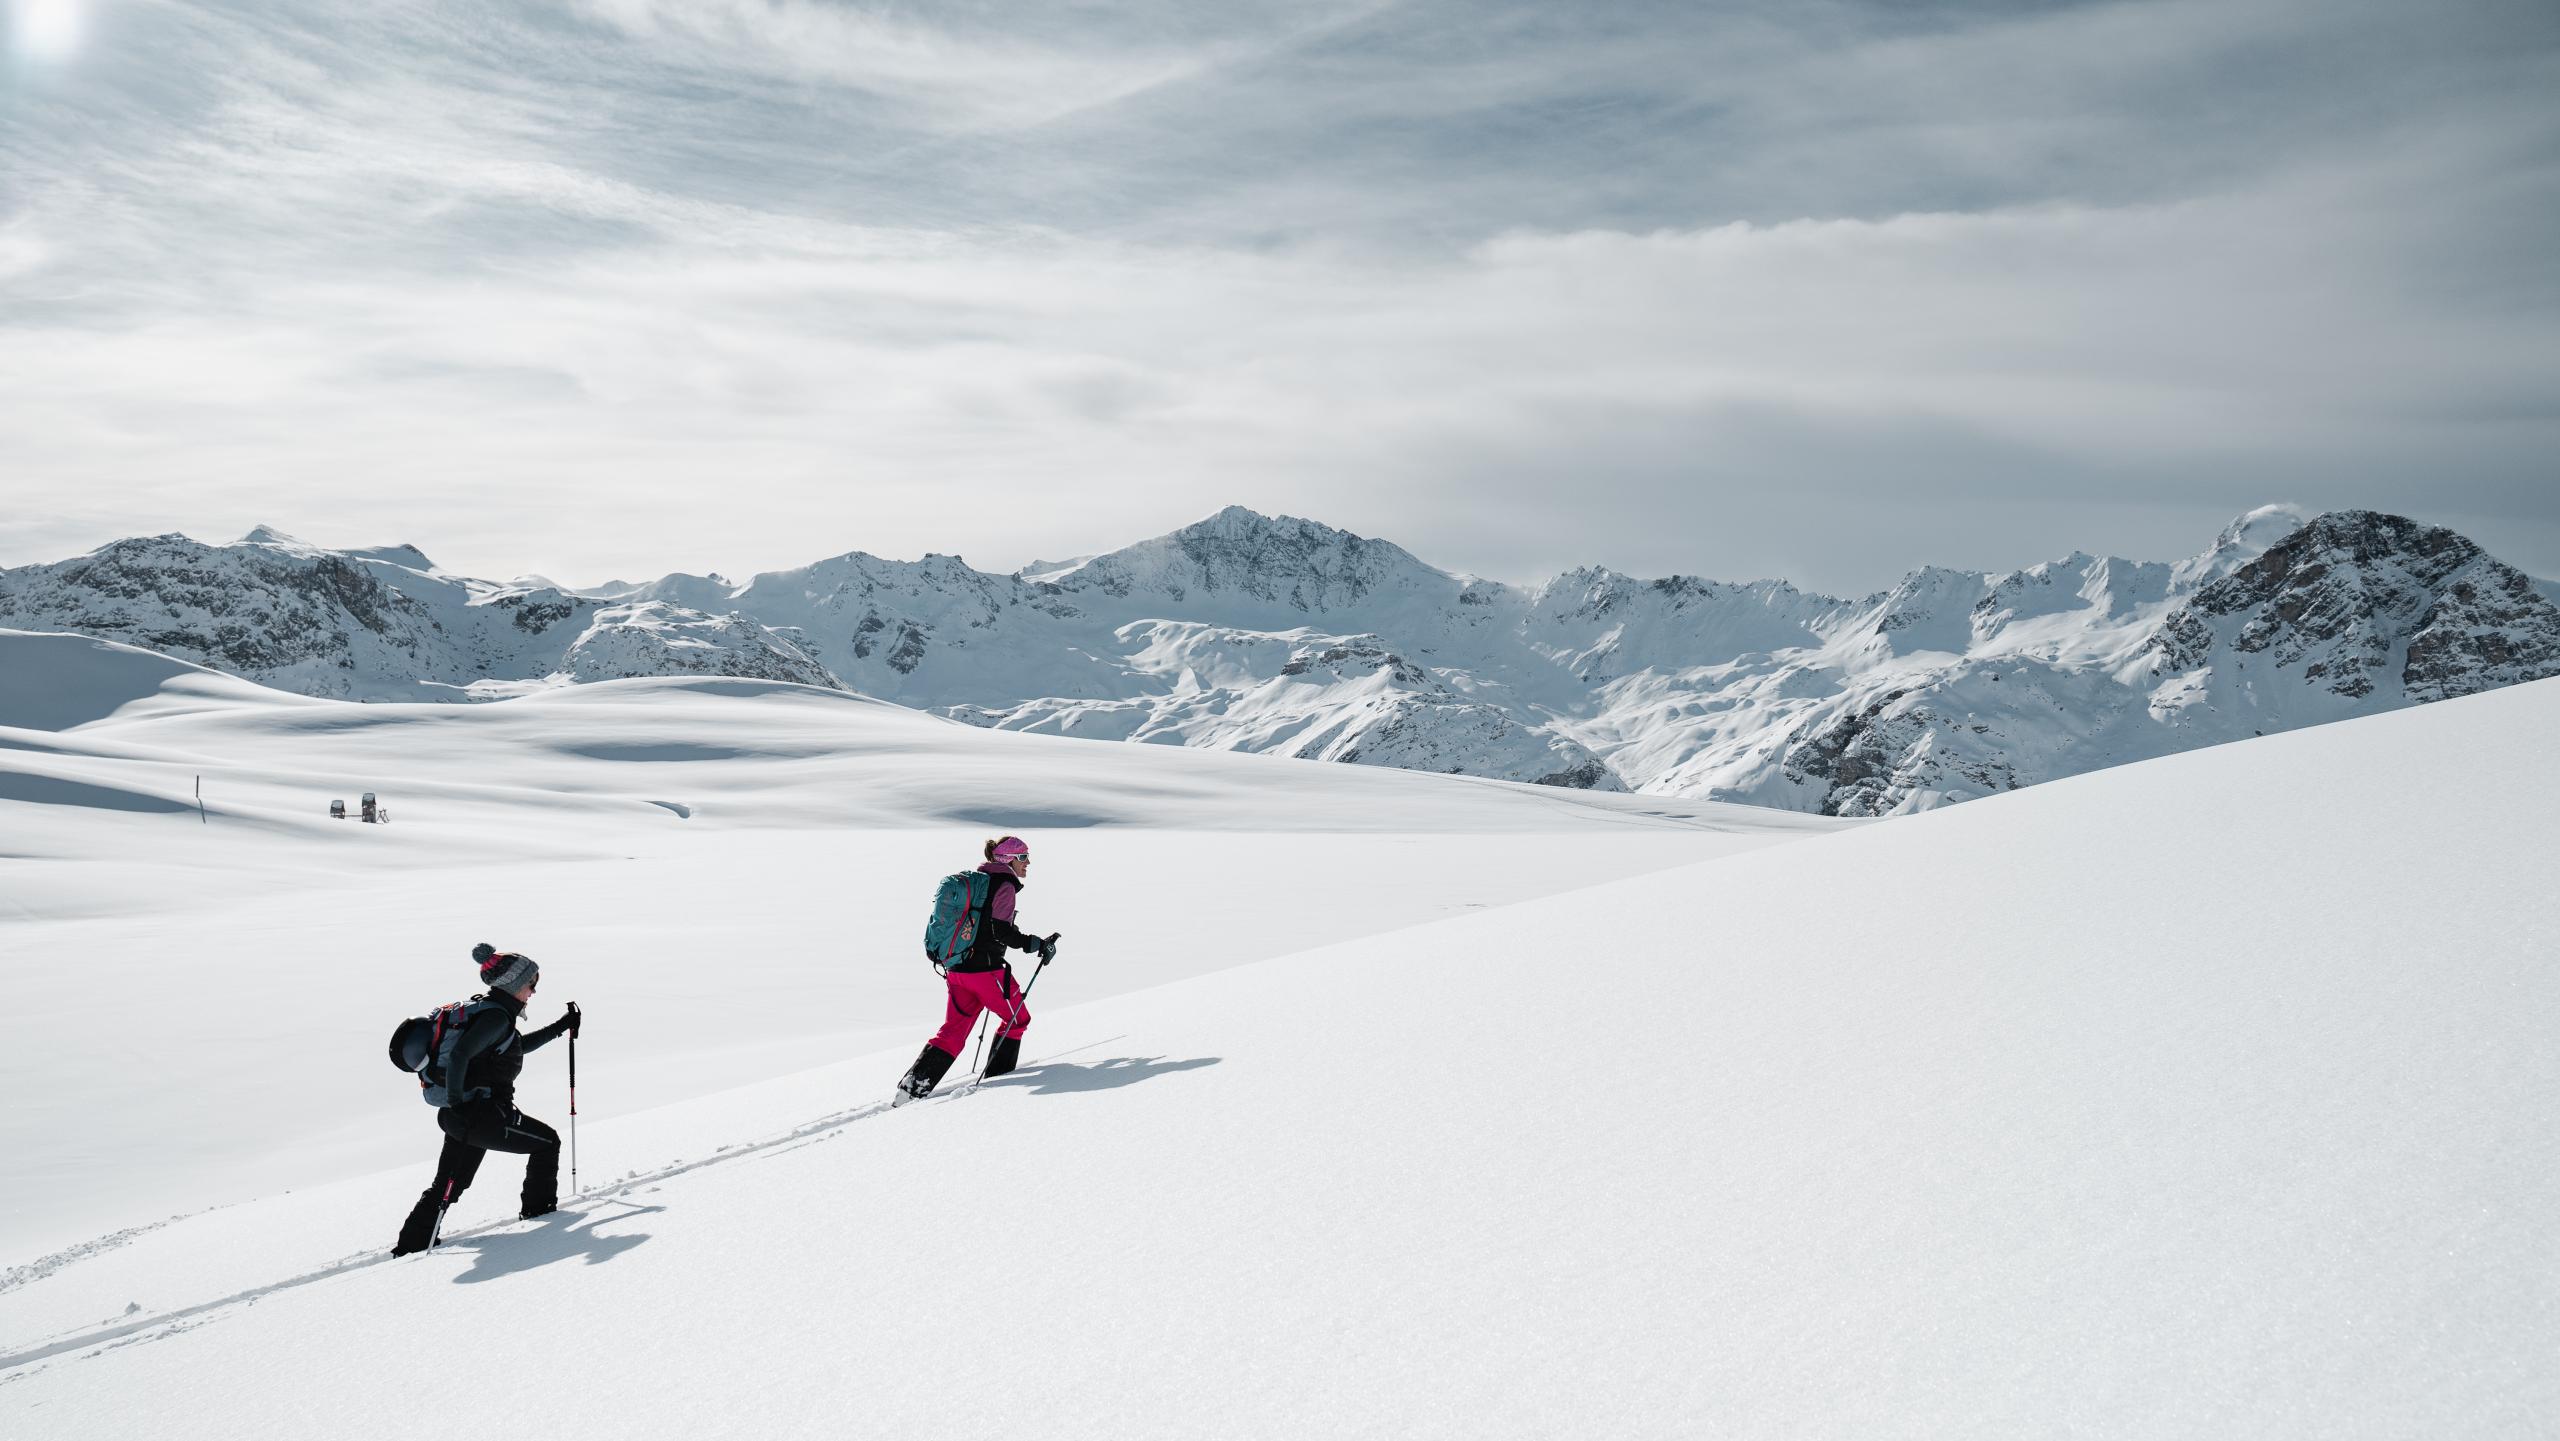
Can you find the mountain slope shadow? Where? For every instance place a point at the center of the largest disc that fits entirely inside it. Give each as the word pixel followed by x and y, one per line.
pixel 561 1236
pixel 1058 1076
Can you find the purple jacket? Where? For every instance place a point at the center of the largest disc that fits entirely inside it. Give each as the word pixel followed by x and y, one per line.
pixel 1000 930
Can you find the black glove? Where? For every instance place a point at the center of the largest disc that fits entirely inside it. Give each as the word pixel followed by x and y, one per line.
pixel 1048 947
pixel 573 1020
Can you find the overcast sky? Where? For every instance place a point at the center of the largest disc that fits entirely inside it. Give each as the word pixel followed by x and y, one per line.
pixel 1823 290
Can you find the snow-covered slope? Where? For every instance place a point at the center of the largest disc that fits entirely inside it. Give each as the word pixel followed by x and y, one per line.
pixel 2203 1097
pixel 734 871
pixel 1246 632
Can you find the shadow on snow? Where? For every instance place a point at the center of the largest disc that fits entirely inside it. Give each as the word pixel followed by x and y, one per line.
pixel 1054 1077
pixel 560 1236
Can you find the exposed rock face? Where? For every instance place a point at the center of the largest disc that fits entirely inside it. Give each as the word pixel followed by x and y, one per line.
pixel 378 624
pixel 2483 632
pixel 1247 632
pixel 2089 662
pixel 2359 604
pixel 652 638
pixel 312 620
pixel 1254 562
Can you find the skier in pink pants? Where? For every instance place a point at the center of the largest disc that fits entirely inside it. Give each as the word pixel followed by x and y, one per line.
pixel 983 980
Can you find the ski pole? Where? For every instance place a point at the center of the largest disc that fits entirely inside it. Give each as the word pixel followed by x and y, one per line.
pixel 573 1099
pixel 1013 1009
pixel 443 1206
pixel 979 1045
pixel 1035 978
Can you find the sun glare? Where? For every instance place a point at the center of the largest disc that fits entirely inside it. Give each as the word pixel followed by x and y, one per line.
pixel 48 29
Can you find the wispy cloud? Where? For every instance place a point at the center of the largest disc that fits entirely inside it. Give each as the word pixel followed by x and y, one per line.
pixel 989 77
pixel 1662 288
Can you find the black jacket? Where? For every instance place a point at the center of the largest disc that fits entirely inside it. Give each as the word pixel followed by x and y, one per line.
pixel 999 932
pixel 490 1055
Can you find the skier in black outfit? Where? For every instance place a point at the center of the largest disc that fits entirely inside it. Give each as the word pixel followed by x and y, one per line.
pixel 481 1115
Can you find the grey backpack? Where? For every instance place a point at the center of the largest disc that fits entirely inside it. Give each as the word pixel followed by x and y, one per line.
pixel 423 1045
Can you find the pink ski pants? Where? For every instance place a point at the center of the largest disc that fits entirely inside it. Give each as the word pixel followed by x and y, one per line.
pixel 975 991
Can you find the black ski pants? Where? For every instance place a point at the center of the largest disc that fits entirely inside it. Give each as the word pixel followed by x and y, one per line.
pixel 471 1132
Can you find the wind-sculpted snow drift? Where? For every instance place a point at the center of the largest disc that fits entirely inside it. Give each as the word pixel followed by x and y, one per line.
pixel 1249 633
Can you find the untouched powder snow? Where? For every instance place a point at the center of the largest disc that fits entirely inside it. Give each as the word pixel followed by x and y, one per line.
pixel 731 876
pixel 2208 1096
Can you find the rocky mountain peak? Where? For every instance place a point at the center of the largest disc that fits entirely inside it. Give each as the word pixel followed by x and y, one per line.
pixel 2246 538
pixel 2259 529
pixel 1282 538
pixel 2099 589
pixel 407 557
pixel 1587 592
pixel 2342 566
pixel 270 538
pixel 1264 563
pixel 2358 601
pixel 1241 520
pixel 1931 609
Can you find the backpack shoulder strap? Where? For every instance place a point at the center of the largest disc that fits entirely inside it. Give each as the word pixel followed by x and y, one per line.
pixel 448 1019
pixel 466 1012
pixel 487 1004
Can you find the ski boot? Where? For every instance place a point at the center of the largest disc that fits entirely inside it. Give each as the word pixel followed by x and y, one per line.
pixel 1003 1056
pixel 923 1076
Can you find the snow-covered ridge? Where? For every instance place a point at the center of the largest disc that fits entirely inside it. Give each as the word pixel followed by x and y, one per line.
pixel 1281 635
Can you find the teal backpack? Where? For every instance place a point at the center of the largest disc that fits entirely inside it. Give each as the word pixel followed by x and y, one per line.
pixel 960 909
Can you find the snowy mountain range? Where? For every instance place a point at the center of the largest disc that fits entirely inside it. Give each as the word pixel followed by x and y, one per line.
pixel 1254 633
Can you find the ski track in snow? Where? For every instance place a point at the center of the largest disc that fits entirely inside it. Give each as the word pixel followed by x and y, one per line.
pixel 820 1129
pixel 187 1318
pixel 43 1266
